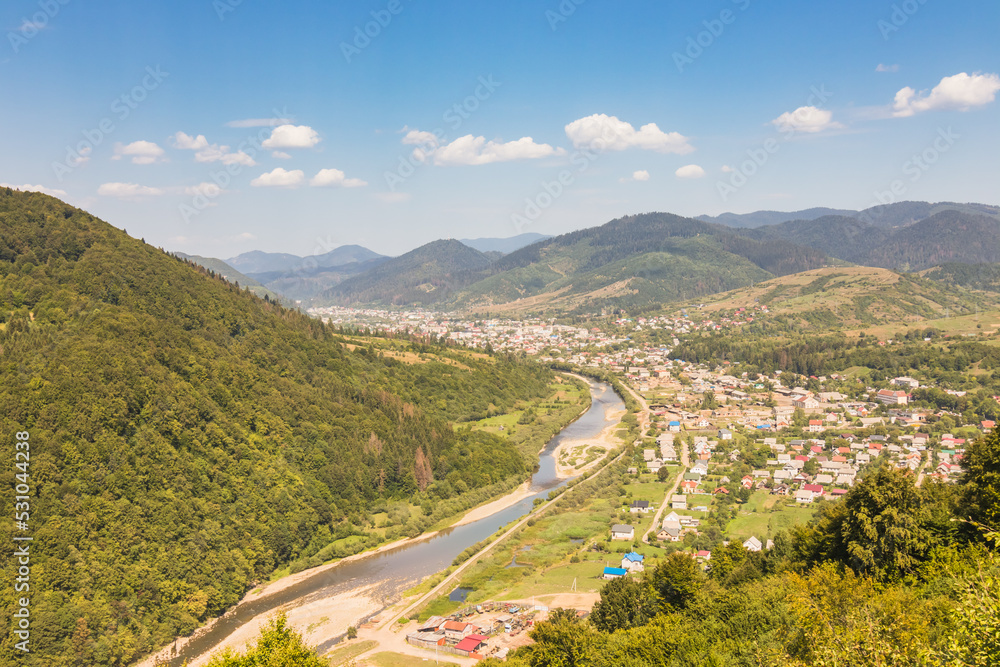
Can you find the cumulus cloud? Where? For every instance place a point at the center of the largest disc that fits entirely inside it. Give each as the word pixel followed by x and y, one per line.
pixel 887 68
pixel 961 92
pixel 806 119
pixel 603 132
pixel 35 188
pixel 128 191
pixel 206 152
pixel 258 122
pixel 335 178
pixel 639 176
pixel 281 155
pixel 188 143
pixel 141 152
pixel 418 138
pixel 292 136
pixel 279 178
pixel 690 171
pixel 470 150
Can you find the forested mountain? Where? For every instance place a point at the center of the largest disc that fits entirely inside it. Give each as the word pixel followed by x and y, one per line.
pixel 946 236
pixel 761 218
pixel 429 274
pixel 506 245
pixel 230 274
pixel 188 437
pixel 635 262
pixel 974 276
pixel 273 262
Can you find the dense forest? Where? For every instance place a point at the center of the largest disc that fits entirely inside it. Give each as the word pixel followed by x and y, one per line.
pixel 188 437
pixel 893 575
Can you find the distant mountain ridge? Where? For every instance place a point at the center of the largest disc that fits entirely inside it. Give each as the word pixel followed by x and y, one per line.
pixel 637 261
pixel 428 274
pixel 507 245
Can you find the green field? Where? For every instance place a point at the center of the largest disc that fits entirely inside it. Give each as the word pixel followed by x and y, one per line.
pixel 765 515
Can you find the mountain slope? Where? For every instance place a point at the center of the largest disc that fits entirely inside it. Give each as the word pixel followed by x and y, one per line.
pixel 229 273
pixel 429 274
pixel 948 236
pixel 635 261
pixel 505 246
pixel 187 438
pixel 761 218
pixel 847 238
pixel 853 297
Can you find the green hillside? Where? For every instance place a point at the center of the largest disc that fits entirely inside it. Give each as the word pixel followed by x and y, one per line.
pixel 636 262
pixel 230 274
pixel 187 437
pixel 429 274
pixel 852 298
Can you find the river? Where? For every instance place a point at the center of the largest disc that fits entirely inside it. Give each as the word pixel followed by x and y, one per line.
pixel 393 571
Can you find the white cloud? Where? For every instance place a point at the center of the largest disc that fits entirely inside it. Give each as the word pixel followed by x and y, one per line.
pixel 603 132
pixel 470 150
pixel 330 178
pixel 961 91
pixel 206 152
pixel 639 176
pixel 258 122
pixel 806 119
pixel 418 138
pixel 726 169
pixel 141 152
pixel 247 236
pixel 128 191
pixel 279 178
pixel 281 155
pixel 35 188
pixel 292 136
pixel 887 68
pixel 690 171
pixel 188 143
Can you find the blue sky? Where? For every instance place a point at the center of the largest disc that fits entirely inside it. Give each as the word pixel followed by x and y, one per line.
pixel 220 126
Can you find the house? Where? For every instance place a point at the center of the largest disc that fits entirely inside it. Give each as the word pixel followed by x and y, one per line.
pixel 671 530
pixel 753 544
pixel 988 425
pixel 678 502
pixel 747 481
pixel 725 434
pixel 457 631
pixel 816 489
pixel 689 486
pixel 803 496
pixel 892 397
pixel 703 555
pixel 648 455
pixel 470 645
pixel 633 562
pixel 816 425
pixel 622 532
pixel 640 506
pixel 674 426
pixel 905 382
pixel 806 403
pixel 824 479
pixel 654 466
pixel 614 572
